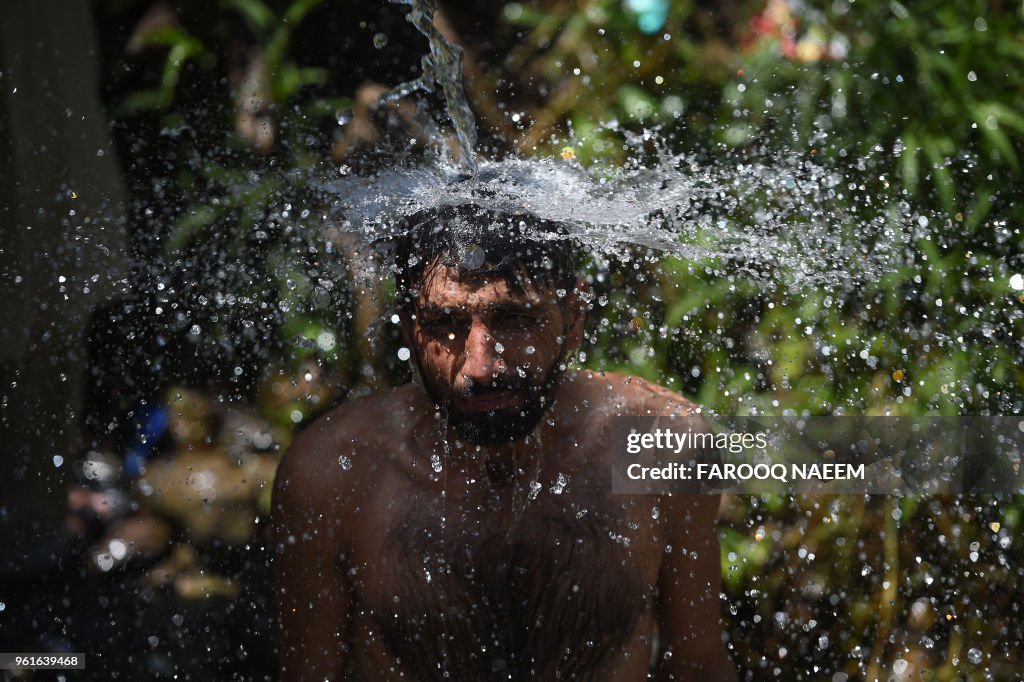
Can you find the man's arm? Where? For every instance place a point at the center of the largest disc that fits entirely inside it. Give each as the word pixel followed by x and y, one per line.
pixel 689 585
pixel 310 593
pixel 690 579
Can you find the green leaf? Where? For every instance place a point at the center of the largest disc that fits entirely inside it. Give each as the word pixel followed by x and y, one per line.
pixel 908 162
pixel 143 100
pixel 256 13
pixel 942 179
pixel 1006 116
pixel 527 16
pixel 985 113
pixel 183 48
pixel 200 218
pixel 298 10
pixel 637 103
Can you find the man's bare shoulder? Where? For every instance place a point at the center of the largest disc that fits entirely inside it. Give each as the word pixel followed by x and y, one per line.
pixel 362 419
pixel 320 465
pixel 630 395
pixel 685 516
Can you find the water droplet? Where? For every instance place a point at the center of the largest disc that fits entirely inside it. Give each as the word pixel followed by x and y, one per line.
pixel 104 562
pixel 404 354
pixel 473 257
pixel 560 484
pixel 535 487
pixel 326 341
pixel 380 41
pixel 118 549
pixel 974 656
pixel 58 461
pixel 345 462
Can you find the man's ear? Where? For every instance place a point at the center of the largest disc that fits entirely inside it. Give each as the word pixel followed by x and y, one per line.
pixel 576 313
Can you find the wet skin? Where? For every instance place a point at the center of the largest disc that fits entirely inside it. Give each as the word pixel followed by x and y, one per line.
pixel 389 569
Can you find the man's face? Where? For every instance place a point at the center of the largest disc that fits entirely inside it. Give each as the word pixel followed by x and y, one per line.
pixel 489 354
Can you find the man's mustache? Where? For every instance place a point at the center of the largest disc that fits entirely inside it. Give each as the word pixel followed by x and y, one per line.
pixel 472 389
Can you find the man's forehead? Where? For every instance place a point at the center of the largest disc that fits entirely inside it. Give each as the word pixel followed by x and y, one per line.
pixel 446 286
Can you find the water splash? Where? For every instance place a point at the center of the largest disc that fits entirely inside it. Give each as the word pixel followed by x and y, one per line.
pixel 770 218
pixel 441 66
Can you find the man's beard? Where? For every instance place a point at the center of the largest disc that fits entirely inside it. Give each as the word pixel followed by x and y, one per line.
pixel 495 427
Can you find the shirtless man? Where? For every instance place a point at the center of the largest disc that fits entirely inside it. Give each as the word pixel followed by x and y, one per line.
pixel 463 528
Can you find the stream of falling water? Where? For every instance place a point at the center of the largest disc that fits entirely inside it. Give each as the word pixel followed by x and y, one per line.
pixel 441 66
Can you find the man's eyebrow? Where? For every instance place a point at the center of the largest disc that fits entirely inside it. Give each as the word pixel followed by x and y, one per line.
pixel 433 309
pixel 507 307
pixel 510 308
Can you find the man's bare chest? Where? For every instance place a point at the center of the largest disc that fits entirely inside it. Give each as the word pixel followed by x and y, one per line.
pixel 552 582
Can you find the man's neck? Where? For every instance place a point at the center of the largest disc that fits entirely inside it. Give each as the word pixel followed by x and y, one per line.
pixel 501 463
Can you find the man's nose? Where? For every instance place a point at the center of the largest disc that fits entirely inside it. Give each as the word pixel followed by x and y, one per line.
pixel 482 360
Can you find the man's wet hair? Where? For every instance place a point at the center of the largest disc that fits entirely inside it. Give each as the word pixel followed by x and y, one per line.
pixel 518 247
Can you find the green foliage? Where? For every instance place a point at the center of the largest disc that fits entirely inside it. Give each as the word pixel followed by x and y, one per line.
pixel 923 106
pixel 246 227
pixel 274 34
pixel 182 48
pixel 925 94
